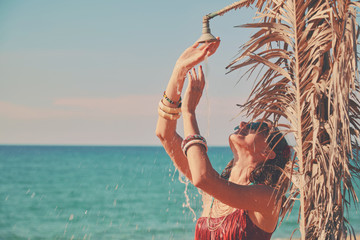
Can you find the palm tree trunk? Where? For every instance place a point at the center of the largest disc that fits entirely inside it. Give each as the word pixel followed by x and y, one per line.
pixel 299 139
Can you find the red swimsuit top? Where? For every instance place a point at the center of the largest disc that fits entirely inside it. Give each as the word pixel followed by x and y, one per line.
pixel 236 226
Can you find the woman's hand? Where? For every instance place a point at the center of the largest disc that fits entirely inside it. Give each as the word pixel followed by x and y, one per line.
pixel 187 60
pixel 194 90
pixel 196 54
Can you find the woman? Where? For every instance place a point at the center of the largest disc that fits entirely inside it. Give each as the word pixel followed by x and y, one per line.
pixel 239 203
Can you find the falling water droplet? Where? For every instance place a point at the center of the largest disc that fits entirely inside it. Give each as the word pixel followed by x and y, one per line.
pixel 187 203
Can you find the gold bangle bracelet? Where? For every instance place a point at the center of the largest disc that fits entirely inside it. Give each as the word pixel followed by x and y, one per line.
pixel 168 116
pixel 167 109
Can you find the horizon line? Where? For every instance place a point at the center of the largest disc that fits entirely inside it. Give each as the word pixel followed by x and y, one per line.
pixel 88 145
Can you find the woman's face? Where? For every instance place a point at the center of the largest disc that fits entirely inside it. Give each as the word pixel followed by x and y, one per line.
pixel 251 136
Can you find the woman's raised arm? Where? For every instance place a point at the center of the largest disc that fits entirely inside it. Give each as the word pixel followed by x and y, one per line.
pixel 204 175
pixel 166 125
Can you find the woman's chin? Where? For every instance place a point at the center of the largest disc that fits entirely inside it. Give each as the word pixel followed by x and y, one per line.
pixel 241 141
pixel 236 136
pixel 236 139
pixel 231 139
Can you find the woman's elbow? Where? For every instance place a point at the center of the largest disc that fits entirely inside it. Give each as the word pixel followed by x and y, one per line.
pixel 160 134
pixel 166 135
pixel 166 139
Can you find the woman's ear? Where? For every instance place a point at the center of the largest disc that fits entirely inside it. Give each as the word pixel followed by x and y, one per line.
pixel 269 154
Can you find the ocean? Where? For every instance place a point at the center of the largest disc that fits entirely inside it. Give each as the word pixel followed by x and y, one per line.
pixel 100 192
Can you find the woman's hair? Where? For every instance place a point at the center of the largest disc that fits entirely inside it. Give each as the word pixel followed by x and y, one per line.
pixel 269 172
pixel 227 170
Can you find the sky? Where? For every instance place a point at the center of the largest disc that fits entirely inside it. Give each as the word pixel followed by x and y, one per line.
pixel 91 72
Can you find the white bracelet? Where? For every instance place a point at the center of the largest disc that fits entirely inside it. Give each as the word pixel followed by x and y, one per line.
pixel 193 142
pixel 167 109
pixel 168 116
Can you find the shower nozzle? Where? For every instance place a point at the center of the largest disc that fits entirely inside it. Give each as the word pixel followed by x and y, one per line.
pixel 206 34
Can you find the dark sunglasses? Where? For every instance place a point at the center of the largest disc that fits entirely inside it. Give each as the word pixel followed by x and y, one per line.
pixel 255 126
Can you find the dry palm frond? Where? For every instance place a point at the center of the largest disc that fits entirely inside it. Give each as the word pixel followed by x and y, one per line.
pixel 311 81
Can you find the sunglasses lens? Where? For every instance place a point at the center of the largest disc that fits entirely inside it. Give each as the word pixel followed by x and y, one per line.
pixel 256 126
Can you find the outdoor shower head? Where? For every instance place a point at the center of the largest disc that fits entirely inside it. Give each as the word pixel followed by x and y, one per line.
pixel 206 34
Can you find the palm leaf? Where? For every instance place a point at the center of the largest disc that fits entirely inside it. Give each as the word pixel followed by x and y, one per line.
pixel 308 49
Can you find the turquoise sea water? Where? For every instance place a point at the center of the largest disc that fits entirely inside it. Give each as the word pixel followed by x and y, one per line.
pixel 74 192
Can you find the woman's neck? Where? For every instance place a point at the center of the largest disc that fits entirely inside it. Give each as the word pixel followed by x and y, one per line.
pixel 244 164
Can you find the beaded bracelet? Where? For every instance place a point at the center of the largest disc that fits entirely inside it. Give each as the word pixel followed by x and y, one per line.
pixel 168 116
pixel 171 101
pixel 193 142
pixel 169 110
pixel 192 137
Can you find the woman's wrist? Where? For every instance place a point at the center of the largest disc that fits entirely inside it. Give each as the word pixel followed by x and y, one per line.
pixel 190 123
pixel 188 113
pixel 180 69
